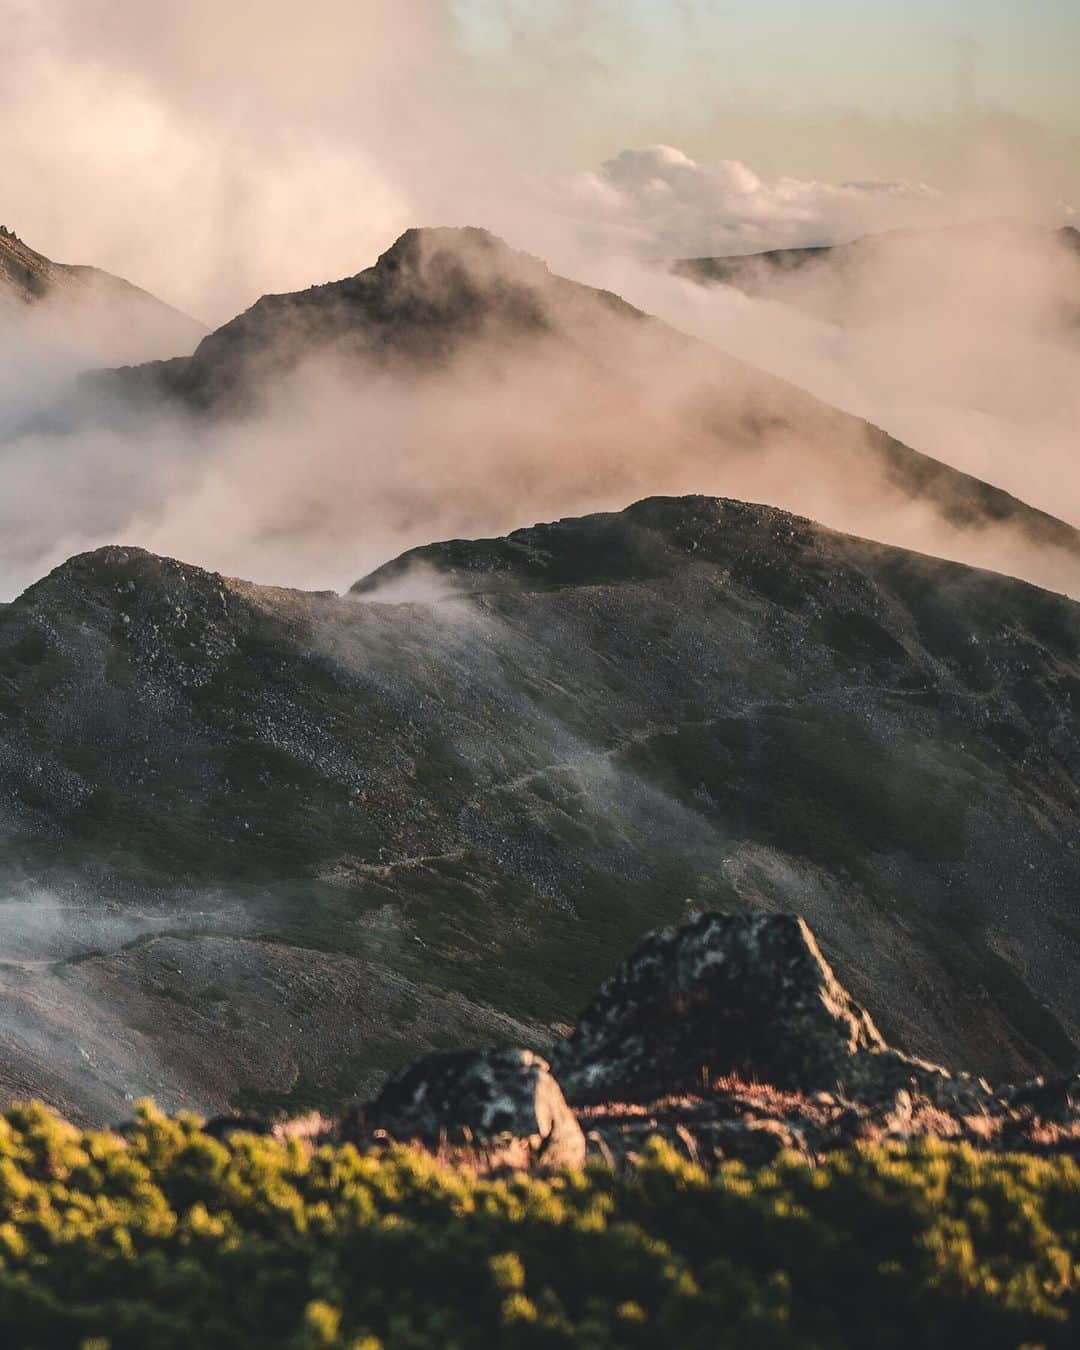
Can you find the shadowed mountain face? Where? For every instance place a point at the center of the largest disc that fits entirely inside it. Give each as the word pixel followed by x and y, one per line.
pixel 429 295
pixel 128 318
pixel 569 364
pixel 269 844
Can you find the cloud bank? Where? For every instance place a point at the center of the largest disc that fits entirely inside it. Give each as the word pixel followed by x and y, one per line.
pixel 660 203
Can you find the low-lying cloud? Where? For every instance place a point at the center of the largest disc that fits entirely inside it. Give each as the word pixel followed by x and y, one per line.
pixel 657 202
pixel 343 463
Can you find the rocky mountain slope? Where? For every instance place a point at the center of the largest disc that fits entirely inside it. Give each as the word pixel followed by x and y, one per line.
pixel 265 845
pixel 440 299
pixel 29 280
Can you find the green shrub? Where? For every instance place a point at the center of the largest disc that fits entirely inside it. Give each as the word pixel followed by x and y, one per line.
pixel 176 1239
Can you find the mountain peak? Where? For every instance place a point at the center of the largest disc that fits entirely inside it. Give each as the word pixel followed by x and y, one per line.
pixel 421 242
pixel 424 299
pixel 459 266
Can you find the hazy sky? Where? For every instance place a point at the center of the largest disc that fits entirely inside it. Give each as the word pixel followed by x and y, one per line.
pixel 214 151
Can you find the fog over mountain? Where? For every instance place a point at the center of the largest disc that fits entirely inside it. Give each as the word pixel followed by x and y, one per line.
pixel 82 313
pixel 540 726
pixel 964 341
pixel 461 387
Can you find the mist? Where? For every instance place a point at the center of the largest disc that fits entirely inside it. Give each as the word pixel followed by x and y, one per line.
pixel 963 342
pixel 340 462
pixel 215 157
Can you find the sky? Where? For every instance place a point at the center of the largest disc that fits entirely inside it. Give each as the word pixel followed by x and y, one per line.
pixel 882 58
pixel 212 153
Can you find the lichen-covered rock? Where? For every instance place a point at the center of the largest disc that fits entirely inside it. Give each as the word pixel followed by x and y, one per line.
pixel 506 1099
pixel 725 993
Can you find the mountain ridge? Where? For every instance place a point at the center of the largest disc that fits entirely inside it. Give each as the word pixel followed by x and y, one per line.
pixel 247 800
pixel 438 296
pixel 750 271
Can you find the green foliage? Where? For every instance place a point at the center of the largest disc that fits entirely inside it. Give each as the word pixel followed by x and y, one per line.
pixel 174 1239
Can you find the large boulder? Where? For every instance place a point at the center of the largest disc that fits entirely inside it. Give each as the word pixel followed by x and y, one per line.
pixel 731 994
pixel 504 1103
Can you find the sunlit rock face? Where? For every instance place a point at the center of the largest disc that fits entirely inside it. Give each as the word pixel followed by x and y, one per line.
pixel 502 1100
pixel 743 996
pixel 727 994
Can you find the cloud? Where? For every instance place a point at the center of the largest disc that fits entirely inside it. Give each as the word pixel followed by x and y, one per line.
pixel 345 462
pixel 214 153
pixel 963 342
pixel 660 203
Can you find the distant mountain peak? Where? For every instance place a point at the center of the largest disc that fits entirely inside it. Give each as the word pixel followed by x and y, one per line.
pixel 125 320
pixel 424 299
pixel 421 242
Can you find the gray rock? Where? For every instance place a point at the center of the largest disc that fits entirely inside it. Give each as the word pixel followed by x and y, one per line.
pixel 744 995
pixel 724 994
pixel 501 1099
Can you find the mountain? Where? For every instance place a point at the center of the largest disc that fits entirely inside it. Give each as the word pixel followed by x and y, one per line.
pixel 429 295
pixel 129 319
pixel 827 279
pixel 264 845
pixel 653 409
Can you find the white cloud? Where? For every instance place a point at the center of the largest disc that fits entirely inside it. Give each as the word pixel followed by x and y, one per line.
pixel 660 202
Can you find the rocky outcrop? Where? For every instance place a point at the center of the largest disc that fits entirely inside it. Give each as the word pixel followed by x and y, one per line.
pixel 726 994
pixel 744 996
pixel 730 1037
pixel 504 1103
